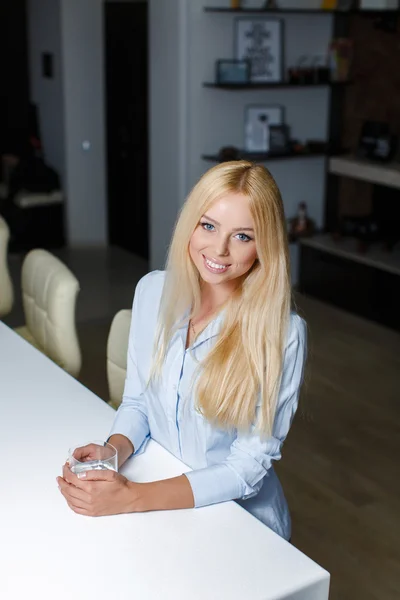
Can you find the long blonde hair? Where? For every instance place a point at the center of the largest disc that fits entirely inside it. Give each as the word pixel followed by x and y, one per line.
pixel 244 367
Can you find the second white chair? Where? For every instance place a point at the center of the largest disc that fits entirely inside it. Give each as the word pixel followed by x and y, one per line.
pixel 49 292
pixel 6 288
pixel 117 350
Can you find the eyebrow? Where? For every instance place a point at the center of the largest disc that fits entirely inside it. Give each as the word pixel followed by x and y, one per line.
pixel 236 229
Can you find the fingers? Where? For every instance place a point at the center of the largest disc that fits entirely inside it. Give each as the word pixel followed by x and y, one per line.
pixel 84 452
pixel 69 476
pixel 100 475
pixel 71 492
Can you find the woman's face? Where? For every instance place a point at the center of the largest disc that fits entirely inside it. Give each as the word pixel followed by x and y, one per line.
pixel 222 246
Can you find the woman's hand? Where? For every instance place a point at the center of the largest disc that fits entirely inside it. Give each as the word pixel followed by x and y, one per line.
pixel 85 453
pixel 99 493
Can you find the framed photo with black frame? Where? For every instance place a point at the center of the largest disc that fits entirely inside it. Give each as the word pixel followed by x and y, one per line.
pixel 257 121
pixel 260 40
pixel 232 71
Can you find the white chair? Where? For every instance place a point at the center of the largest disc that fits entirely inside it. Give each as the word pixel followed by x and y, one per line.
pixel 49 292
pixel 117 350
pixel 6 288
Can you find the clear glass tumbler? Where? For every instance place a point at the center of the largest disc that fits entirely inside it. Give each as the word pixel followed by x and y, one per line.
pixel 94 456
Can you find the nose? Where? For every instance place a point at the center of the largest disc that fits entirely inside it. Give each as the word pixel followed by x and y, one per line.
pixel 222 247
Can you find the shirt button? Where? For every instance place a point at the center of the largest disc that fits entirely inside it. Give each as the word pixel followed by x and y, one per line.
pixel 175 387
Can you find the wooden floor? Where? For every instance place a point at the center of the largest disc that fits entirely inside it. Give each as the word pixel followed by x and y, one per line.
pixel 340 466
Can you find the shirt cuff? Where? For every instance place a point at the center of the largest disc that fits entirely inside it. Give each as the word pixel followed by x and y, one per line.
pixel 214 484
pixel 136 430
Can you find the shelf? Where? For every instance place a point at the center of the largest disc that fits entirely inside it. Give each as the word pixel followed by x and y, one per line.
pixel 265 156
pixel 387 174
pixel 347 248
pixel 262 86
pixel 302 11
pixel 293 11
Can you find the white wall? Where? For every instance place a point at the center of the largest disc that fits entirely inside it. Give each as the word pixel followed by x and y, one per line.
pixel 44 35
pixel 168 127
pixel 189 120
pixel 84 99
pixel 71 107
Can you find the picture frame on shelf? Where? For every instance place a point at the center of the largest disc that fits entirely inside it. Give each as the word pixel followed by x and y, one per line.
pixel 257 121
pixel 279 139
pixel 232 71
pixel 260 40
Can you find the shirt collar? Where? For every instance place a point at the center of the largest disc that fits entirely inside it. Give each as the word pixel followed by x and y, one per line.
pixel 211 330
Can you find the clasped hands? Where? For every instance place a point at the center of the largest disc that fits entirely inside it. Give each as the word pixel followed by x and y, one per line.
pixel 99 493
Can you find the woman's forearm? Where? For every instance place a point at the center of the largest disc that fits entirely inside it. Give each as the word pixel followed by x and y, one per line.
pixel 168 494
pixel 124 447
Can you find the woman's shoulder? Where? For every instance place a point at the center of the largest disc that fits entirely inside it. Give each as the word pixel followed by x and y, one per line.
pixel 297 331
pixel 151 285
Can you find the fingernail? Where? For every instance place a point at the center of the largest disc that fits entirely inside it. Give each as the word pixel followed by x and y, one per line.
pixel 81 475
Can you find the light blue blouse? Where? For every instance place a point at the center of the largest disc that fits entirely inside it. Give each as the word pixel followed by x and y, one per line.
pixel 226 465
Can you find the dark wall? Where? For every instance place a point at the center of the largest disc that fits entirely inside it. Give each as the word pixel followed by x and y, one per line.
pixel 14 81
pixel 374 95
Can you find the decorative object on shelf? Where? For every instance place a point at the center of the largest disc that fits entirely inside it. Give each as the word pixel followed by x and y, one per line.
pixel 232 71
pixel 260 40
pixel 235 4
pixel 228 153
pixel 366 230
pixel 271 5
pixel 376 142
pixel 301 225
pixel 258 120
pixel 340 58
pixel 346 5
pixel 279 142
pixel 328 4
pixel 309 71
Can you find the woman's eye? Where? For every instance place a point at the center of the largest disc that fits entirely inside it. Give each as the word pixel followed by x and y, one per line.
pixel 207 226
pixel 243 237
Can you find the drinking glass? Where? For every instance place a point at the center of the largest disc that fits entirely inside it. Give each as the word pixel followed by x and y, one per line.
pixel 102 456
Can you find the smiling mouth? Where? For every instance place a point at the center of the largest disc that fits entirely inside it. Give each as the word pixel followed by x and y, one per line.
pixel 215 267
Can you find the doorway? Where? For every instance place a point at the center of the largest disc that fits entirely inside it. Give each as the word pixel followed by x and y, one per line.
pixel 126 60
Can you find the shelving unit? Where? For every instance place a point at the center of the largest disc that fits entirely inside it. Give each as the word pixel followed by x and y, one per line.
pixel 375 256
pixel 292 194
pixel 387 174
pixel 270 86
pixel 302 11
pixel 266 157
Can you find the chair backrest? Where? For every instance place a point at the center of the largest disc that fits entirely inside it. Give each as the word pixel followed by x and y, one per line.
pixel 117 350
pixel 6 288
pixel 49 292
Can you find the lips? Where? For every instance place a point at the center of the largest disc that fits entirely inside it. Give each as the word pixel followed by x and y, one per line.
pixel 214 266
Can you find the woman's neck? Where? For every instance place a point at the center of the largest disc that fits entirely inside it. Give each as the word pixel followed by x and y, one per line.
pixel 214 296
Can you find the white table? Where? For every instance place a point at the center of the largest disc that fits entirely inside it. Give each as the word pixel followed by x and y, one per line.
pixel 49 552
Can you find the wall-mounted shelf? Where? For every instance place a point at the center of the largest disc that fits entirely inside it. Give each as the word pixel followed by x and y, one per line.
pixel 265 156
pixel 302 11
pixel 346 248
pixel 267 86
pixel 366 170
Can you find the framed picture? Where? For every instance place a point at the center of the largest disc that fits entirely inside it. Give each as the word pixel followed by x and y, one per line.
pixel 232 71
pixel 260 40
pixel 258 120
pixel 278 139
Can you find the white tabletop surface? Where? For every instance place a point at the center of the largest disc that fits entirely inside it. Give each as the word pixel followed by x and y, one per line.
pixel 49 552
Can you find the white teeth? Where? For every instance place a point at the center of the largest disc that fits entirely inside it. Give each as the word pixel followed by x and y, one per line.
pixel 214 265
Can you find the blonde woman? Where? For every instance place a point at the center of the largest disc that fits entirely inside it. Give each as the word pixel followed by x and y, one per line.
pixel 215 360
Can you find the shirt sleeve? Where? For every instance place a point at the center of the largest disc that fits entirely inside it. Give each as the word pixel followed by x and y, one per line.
pixel 241 474
pixel 131 419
